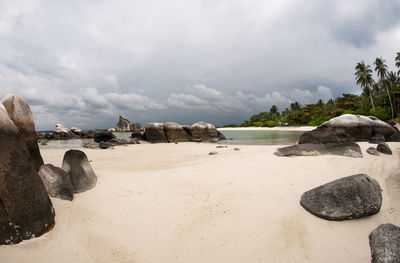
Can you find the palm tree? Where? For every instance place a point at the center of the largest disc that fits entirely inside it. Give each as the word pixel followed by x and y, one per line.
pixel 381 70
pixel 364 79
pixel 397 59
pixel 393 83
pixel 274 112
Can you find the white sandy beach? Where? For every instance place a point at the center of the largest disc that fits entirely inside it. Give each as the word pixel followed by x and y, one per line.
pixel 175 203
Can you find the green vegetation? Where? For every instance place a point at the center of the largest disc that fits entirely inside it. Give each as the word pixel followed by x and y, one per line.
pixel 379 98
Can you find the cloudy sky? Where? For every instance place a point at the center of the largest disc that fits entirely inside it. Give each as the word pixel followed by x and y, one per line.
pixel 83 63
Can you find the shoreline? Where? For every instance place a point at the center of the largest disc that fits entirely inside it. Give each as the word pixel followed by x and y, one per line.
pixel 175 203
pixel 277 128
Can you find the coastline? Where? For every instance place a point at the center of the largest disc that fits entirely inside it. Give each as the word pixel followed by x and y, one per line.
pixel 277 128
pixel 176 203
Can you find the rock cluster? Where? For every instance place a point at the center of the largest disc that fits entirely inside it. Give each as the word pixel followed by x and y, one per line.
pixel 75 176
pixel 60 133
pixel 174 132
pixel 350 128
pixel 25 208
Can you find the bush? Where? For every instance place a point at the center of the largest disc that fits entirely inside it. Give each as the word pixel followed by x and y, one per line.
pixel 318 121
pixel 270 124
pixel 381 113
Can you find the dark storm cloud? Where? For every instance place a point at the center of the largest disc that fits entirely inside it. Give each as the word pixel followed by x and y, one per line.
pixel 84 63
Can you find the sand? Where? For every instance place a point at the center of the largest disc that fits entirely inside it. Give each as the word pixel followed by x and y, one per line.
pixel 175 203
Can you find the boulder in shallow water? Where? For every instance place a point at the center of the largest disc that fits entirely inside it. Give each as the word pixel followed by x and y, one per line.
pixel 384 148
pixel 20 113
pixel 385 244
pixel 76 130
pixel 78 167
pixel 104 136
pixel 175 133
pixel 348 149
pixel 123 125
pixel 346 198
pixel 25 208
pixel 56 181
pixel 201 131
pixel 135 126
pixel 136 134
pixel 61 129
pixel 154 132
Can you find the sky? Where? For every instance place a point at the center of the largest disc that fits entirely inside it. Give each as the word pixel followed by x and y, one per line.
pixel 83 63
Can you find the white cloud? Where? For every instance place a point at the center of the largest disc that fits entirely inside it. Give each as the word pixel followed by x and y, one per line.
pixel 133 101
pixel 185 101
pixel 140 56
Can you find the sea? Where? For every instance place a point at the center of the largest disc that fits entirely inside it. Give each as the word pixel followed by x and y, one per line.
pixel 236 137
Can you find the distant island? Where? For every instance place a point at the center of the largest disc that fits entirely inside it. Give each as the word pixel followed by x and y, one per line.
pixel 380 98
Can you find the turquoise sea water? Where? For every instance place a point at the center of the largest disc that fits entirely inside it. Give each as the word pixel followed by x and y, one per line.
pixel 272 137
pixel 239 137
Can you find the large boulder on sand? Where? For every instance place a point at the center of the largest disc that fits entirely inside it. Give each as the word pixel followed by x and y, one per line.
pixel 175 133
pixel 20 113
pixel 347 128
pixel 349 149
pixel 78 167
pixel 154 132
pixel 25 208
pixel 56 181
pixel 385 244
pixel 123 125
pixel 346 198
pixel 203 131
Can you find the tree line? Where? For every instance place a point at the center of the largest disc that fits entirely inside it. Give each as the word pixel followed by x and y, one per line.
pixel 380 98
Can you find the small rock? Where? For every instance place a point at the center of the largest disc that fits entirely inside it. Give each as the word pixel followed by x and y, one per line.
pixel 105 145
pixel 384 148
pixel 221 146
pixel 90 145
pixel 385 244
pixel 212 153
pixel 236 149
pixel 372 151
